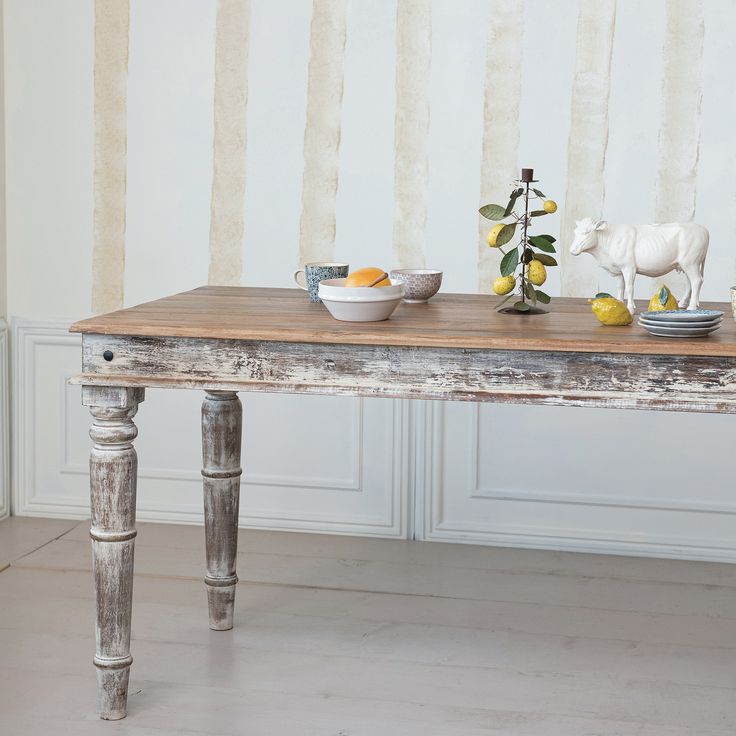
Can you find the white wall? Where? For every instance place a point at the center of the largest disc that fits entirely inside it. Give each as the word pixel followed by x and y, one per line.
pixel 4 424
pixel 4 363
pixel 455 462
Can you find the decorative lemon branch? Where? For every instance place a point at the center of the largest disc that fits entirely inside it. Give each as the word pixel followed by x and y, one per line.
pixel 531 255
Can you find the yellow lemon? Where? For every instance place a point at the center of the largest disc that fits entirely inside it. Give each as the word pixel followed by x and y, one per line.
pixel 611 311
pixel 503 285
pixel 662 300
pixel 493 234
pixel 550 206
pixel 365 276
pixel 536 272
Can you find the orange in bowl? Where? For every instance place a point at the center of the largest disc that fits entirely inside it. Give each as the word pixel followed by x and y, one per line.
pixel 365 277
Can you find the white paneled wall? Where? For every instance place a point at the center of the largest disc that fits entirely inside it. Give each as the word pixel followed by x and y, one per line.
pixel 4 423
pixel 319 463
pixel 630 482
pixel 505 83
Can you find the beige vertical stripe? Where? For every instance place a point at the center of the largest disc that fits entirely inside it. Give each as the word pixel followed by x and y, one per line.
pixel 110 112
pixel 322 131
pixel 411 166
pixel 586 149
pixel 679 132
pixel 502 98
pixel 228 155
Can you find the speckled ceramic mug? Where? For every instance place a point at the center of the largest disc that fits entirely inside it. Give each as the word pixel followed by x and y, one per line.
pixel 320 271
pixel 733 301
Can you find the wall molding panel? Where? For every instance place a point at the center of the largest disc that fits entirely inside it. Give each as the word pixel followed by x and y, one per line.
pixel 359 483
pixel 463 503
pixel 4 423
pixel 430 470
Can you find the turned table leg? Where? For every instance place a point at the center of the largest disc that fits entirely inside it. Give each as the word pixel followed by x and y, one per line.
pixel 222 421
pixel 113 474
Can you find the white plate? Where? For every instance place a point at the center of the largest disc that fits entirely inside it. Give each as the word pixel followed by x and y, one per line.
pixel 662 331
pixel 683 315
pixel 686 325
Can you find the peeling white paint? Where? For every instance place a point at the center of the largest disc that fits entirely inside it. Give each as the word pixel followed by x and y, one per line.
pixel 586 152
pixel 502 99
pixel 679 132
pixel 112 22
pixel 322 131
pixel 411 165
pixel 229 146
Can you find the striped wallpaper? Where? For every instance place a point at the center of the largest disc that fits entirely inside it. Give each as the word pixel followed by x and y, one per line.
pixel 312 46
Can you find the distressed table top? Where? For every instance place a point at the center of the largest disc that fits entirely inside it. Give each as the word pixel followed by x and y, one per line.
pixel 447 321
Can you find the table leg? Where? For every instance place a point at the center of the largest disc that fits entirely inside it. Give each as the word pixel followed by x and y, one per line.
pixel 113 469
pixel 222 422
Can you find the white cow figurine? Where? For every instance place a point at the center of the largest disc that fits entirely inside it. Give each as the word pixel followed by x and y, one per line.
pixel 651 250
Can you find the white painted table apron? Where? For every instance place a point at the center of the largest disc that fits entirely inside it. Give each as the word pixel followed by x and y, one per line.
pixel 336 359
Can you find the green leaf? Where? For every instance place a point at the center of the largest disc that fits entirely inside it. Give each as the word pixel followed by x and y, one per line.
pixel 509 262
pixel 548 238
pixel 544 298
pixel 538 193
pixel 538 213
pixel 521 307
pixel 507 232
pixel 504 300
pixel 545 259
pixel 529 290
pixel 542 243
pixel 528 255
pixel 603 295
pixel 664 295
pixel 512 201
pixel 492 211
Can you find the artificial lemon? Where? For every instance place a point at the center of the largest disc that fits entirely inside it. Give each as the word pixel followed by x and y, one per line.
pixel 662 300
pixel 503 285
pixel 611 311
pixel 493 234
pixel 536 272
pixel 550 206
pixel 365 276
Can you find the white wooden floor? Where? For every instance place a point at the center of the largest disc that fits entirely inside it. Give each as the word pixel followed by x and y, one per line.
pixel 339 636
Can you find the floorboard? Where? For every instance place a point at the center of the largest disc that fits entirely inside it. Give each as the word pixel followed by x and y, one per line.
pixel 349 637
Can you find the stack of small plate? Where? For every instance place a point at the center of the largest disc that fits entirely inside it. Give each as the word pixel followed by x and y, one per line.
pixel 681 322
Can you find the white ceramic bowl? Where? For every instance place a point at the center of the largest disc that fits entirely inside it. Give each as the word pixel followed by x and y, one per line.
pixel 421 284
pixel 360 303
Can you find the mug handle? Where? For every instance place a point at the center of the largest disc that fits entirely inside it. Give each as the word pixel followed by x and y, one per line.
pixel 296 278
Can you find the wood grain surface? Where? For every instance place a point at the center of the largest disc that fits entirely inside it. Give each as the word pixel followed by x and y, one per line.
pixel 448 320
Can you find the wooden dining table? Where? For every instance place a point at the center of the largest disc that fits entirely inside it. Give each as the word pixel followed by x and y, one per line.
pixel 223 340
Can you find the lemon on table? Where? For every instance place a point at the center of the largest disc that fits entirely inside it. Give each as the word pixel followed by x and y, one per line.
pixel 366 276
pixel 610 311
pixel 550 206
pixel 662 300
pixel 536 272
pixel 493 234
pixel 503 285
